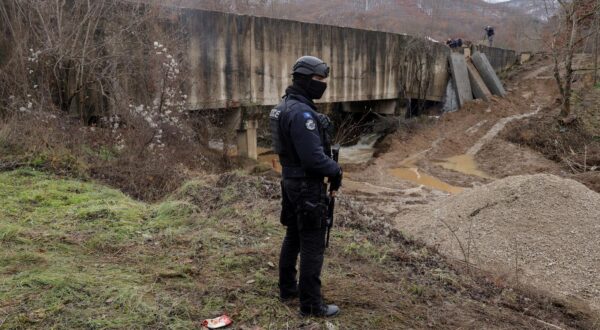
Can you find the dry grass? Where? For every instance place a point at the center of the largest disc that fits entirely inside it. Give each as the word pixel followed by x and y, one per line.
pixel 54 142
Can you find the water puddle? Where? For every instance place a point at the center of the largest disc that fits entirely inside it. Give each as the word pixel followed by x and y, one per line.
pixel 465 164
pixel 412 174
pixel 462 163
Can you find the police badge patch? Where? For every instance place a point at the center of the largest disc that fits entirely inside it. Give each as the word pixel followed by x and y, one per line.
pixel 310 125
pixel 275 113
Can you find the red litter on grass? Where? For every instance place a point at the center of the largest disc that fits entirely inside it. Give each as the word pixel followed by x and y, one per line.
pixel 216 323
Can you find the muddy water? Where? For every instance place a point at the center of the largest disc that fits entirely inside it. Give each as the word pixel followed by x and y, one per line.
pixel 465 164
pixel 361 152
pixel 413 174
pixel 462 163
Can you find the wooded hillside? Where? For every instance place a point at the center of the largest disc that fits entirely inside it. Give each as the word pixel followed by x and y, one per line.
pixel 517 25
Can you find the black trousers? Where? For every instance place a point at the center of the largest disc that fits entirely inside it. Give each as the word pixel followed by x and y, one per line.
pixel 304 212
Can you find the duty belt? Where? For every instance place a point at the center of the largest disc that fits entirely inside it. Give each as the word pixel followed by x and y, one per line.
pixel 295 173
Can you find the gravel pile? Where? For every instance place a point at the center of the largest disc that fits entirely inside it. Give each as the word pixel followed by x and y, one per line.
pixel 541 229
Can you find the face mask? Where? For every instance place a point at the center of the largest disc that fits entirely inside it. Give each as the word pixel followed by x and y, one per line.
pixel 316 89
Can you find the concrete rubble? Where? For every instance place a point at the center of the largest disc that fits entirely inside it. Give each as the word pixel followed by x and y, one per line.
pixel 480 90
pixel 460 77
pixel 488 74
pixel 473 77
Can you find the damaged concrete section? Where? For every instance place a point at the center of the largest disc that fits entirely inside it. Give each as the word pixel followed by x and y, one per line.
pixel 480 90
pixel 500 59
pixel 488 74
pixel 460 77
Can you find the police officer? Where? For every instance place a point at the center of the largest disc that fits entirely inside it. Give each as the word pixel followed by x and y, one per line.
pixel 299 136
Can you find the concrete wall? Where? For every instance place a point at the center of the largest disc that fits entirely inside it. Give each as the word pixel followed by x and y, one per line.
pixel 500 58
pixel 238 60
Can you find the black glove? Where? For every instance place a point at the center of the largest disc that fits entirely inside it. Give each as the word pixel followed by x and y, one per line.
pixel 335 182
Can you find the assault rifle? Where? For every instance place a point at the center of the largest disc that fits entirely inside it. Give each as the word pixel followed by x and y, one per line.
pixel 335 155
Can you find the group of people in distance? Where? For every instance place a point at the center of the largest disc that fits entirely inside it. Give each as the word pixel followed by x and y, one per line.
pixel 458 42
pixel 454 43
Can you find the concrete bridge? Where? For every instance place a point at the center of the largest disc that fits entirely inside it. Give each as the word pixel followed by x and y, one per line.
pixel 240 63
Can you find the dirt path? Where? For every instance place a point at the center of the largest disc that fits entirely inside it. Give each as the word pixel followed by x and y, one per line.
pixel 492 133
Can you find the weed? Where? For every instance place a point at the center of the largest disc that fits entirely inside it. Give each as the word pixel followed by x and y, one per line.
pixel 417 290
pixel 237 263
pixel 10 233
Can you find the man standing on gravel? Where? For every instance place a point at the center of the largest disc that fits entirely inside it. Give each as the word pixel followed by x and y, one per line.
pixel 298 136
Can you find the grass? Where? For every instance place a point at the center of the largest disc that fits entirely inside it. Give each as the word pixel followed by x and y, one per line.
pixel 79 255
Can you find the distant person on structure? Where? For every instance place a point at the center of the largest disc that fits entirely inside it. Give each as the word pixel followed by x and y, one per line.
pixel 489 33
pixel 299 137
pixel 454 43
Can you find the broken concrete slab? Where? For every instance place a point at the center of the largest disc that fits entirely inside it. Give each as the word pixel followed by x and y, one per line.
pixel 480 90
pixel 488 74
pixel 460 77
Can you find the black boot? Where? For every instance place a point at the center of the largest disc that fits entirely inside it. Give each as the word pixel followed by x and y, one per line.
pixel 320 311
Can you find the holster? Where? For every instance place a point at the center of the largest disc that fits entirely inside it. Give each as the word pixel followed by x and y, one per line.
pixel 312 207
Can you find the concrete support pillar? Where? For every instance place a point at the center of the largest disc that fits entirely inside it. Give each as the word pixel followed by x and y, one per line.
pixel 246 139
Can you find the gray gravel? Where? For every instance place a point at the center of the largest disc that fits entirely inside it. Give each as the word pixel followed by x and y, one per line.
pixel 537 229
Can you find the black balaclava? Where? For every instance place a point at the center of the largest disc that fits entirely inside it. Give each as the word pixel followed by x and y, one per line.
pixel 311 88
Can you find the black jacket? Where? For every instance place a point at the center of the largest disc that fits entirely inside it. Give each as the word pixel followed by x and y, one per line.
pixel 301 138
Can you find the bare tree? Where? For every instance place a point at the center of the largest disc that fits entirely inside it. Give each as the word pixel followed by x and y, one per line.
pixel 115 65
pixel 567 38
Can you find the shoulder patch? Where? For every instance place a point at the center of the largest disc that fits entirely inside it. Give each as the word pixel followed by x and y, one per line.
pixel 307 115
pixel 310 124
pixel 275 113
